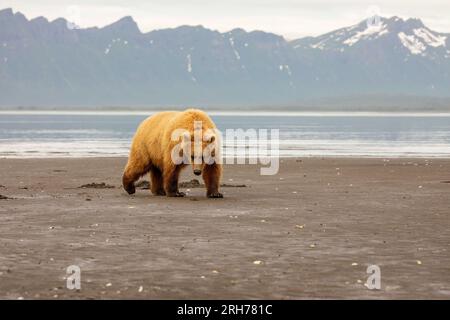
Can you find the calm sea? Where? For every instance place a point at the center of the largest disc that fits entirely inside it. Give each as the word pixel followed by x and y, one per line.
pixel 85 134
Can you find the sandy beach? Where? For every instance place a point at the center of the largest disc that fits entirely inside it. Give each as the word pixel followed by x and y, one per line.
pixel 310 231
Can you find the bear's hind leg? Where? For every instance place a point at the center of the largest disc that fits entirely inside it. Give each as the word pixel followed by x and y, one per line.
pixel 211 176
pixel 170 177
pixel 156 182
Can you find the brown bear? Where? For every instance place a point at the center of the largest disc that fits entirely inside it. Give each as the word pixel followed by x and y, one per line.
pixel 161 138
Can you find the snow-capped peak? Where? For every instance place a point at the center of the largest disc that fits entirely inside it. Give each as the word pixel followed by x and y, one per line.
pixel 410 34
pixel 343 38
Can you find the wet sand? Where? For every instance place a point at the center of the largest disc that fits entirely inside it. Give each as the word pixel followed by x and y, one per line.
pixel 310 231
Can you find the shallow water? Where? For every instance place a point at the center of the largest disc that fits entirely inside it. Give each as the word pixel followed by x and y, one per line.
pixel 83 134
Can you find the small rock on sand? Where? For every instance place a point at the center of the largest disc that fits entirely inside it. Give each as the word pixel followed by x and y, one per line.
pixel 194 183
pixel 95 185
pixel 227 185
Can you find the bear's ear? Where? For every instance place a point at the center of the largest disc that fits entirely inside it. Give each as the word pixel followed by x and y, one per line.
pixel 211 139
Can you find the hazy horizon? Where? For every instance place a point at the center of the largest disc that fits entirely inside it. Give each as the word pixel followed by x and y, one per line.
pixel 292 19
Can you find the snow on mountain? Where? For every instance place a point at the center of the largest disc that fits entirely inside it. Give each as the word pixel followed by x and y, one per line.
pixel 430 38
pixel 410 33
pixel 413 44
pixel 372 32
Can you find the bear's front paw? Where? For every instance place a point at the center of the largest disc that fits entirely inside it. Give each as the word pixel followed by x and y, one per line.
pixel 176 194
pixel 130 189
pixel 215 195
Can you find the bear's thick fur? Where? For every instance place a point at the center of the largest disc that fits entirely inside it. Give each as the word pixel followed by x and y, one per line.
pixel 151 152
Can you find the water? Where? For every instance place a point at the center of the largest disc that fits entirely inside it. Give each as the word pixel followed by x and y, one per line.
pixel 84 134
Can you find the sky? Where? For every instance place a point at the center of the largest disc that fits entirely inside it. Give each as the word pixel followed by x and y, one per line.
pixel 290 18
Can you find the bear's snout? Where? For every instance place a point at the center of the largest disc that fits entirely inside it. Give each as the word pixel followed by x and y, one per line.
pixel 197 172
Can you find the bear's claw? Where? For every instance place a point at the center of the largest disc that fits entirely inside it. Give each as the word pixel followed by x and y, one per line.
pixel 215 195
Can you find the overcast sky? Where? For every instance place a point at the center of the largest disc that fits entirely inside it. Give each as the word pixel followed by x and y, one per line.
pixel 290 18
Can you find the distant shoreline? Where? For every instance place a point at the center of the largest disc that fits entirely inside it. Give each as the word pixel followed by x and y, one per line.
pixel 235 112
pixel 337 106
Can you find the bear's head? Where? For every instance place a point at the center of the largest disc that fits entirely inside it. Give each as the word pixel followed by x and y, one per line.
pixel 197 147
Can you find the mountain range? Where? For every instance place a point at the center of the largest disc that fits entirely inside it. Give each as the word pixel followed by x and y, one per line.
pixel 394 62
